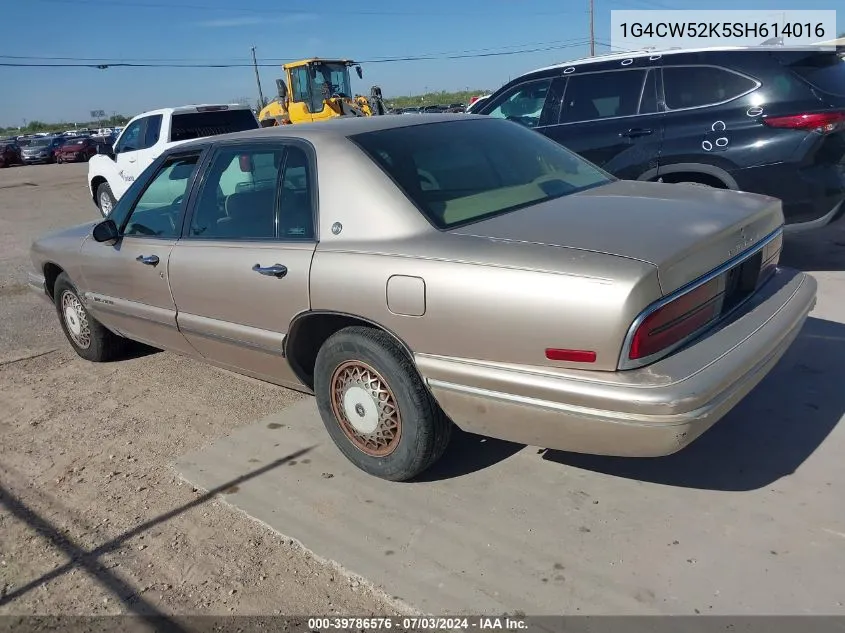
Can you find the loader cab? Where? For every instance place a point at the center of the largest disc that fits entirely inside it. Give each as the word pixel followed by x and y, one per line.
pixel 314 81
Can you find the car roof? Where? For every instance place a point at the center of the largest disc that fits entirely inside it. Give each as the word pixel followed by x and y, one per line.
pixel 339 127
pixel 658 53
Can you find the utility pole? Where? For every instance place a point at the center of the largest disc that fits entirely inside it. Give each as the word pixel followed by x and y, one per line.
pixel 257 78
pixel 592 29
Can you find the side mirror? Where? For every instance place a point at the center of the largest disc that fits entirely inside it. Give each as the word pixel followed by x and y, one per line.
pixel 105 149
pixel 281 88
pixel 360 72
pixel 106 231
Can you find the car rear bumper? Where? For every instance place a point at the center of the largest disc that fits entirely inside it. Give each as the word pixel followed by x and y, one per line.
pixel 652 411
pixel 812 196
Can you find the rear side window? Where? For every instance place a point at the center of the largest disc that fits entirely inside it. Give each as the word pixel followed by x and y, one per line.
pixel 463 171
pixel 190 125
pixel 696 86
pixel 826 72
pixel 602 95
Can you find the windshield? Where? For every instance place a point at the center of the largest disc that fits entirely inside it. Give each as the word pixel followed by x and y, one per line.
pixel 76 141
pixel 464 171
pixel 41 142
pixel 331 79
pixel 824 71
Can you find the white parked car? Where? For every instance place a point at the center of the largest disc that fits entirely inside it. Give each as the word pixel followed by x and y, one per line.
pixel 144 138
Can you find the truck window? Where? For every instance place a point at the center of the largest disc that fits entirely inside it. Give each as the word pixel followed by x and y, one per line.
pixel 190 125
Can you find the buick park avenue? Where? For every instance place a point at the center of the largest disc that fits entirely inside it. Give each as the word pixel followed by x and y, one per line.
pixel 417 273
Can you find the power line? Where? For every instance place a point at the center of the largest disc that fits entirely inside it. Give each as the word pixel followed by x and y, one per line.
pixel 103 65
pixel 235 60
pixel 279 12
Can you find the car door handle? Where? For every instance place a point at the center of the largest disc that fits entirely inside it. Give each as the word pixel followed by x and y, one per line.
pixel 149 260
pixel 276 270
pixel 635 132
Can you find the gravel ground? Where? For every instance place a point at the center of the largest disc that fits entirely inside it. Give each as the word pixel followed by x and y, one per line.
pixel 92 518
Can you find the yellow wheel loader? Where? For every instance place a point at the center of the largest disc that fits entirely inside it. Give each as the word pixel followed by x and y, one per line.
pixel 318 89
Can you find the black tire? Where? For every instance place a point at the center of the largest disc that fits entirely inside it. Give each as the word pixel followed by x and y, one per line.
pixel 102 344
pixel 423 430
pixel 105 190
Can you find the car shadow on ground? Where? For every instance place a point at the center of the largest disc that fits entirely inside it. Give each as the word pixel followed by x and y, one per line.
pixel 820 249
pixel 468 453
pixel 138 350
pixel 768 435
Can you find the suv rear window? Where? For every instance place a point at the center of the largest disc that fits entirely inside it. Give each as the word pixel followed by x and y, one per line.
pixel 192 125
pixel 825 72
pixel 696 86
pixel 464 171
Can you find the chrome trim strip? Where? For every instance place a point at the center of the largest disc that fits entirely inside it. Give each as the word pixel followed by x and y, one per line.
pixel 626 363
pixel 97 305
pixel 233 341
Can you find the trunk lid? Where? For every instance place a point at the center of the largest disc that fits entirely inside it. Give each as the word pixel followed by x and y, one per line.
pixel 684 230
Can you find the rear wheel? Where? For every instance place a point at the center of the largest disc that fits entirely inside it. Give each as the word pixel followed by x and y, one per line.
pixel 375 407
pixel 105 199
pixel 88 337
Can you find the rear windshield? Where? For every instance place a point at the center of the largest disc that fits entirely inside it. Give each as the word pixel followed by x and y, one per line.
pixel 824 71
pixel 457 172
pixel 199 124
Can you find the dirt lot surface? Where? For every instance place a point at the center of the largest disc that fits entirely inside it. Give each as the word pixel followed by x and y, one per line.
pixel 92 519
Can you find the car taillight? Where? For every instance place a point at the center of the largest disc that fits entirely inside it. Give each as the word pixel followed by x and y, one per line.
pixel 676 320
pixel 824 122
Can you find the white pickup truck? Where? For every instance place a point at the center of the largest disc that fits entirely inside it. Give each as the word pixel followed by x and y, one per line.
pixel 144 138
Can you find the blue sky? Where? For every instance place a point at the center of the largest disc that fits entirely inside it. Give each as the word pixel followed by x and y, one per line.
pixel 209 31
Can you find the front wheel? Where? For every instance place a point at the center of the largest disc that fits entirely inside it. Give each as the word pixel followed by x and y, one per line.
pixel 105 199
pixel 375 407
pixel 88 337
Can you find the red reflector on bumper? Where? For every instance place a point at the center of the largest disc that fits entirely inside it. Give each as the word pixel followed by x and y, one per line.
pixel 571 355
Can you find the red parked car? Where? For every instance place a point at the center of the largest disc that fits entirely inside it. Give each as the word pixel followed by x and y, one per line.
pixel 10 154
pixel 76 150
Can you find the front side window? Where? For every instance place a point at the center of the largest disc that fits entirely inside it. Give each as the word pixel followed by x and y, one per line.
pixel 157 212
pixel 602 95
pixel 696 86
pixel 299 81
pixel 523 104
pixel 329 79
pixel 151 134
pixel 131 139
pixel 464 171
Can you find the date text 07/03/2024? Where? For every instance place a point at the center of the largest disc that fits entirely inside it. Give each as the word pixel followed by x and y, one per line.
pixel 418 623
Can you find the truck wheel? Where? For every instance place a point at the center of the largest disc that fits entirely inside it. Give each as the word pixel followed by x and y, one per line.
pixel 90 339
pixel 375 407
pixel 105 199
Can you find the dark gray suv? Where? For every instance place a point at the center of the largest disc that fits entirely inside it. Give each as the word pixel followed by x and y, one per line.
pixel 768 120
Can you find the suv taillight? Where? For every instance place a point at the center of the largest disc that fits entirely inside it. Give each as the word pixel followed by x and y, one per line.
pixel 824 122
pixel 675 321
